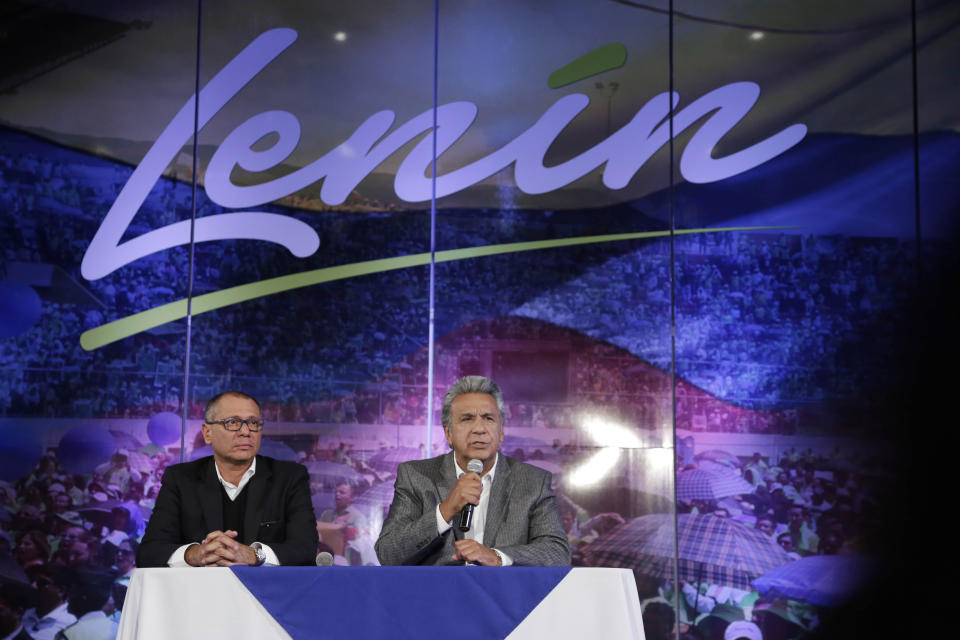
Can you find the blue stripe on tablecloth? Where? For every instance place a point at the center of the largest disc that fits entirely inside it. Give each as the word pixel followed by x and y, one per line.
pixel 402 601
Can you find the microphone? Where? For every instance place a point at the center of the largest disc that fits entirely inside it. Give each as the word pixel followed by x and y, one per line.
pixel 466 515
pixel 324 559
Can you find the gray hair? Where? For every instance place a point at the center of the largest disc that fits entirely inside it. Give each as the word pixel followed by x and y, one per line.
pixel 208 411
pixel 470 384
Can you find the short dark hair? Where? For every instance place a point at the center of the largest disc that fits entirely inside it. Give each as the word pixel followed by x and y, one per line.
pixel 470 384
pixel 90 589
pixel 215 400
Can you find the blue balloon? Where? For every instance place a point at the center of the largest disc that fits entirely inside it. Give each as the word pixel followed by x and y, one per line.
pixel 164 428
pixel 85 447
pixel 19 308
pixel 20 450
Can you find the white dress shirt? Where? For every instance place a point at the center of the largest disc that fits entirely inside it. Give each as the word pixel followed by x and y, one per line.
pixel 179 557
pixel 46 627
pixel 479 511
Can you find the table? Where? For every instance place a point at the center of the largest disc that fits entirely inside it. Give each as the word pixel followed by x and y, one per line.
pixel 518 603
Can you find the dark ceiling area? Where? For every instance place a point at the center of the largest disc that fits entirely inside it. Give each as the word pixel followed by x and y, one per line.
pixel 36 39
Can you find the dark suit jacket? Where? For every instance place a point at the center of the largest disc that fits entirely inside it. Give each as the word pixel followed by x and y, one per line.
pixel 190 505
pixel 522 517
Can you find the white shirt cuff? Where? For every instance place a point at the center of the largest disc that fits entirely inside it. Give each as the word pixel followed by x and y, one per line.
pixel 272 559
pixel 442 525
pixel 178 558
pixel 507 560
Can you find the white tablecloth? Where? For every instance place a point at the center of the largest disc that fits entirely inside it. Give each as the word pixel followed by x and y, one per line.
pixel 215 603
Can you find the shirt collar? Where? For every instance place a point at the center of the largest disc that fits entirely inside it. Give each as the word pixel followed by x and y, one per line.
pixel 488 474
pixel 243 481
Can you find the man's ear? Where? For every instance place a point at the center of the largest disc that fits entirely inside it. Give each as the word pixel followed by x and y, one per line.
pixel 205 430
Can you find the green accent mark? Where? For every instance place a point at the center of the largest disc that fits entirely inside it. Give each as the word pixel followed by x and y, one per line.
pixel 609 56
pixel 140 322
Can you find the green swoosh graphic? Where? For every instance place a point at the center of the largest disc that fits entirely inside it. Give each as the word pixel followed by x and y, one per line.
pixel 609 56
pixel 140 322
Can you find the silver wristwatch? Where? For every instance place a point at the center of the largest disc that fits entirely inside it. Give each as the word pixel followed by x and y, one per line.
pixel 261 554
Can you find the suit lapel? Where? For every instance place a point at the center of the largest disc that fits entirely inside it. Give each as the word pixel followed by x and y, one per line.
pixel 256 489
pixel 498 505
pixel 211 500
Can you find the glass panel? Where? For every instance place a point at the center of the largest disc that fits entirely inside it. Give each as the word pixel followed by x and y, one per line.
pixel 938 122
pixel 797 267
pixel 89 410
pixel 69 151
pixel 573 323
pixel 332 344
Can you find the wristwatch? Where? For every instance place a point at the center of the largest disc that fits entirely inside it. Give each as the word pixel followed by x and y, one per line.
pixel 261 554
pixel 499 557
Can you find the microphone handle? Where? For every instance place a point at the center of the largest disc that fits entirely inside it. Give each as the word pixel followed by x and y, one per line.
pixel 466 517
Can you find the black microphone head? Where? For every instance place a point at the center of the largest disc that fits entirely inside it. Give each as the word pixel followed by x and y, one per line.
pixel 324 559
pixel 476 466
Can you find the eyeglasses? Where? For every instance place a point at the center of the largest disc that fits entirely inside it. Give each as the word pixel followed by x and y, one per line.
pixel 235 424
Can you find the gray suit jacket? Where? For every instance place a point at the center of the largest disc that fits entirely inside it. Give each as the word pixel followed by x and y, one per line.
pixel 522 517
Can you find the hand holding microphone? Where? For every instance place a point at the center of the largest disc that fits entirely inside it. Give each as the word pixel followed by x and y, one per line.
pixel 463 497
pixel 466 515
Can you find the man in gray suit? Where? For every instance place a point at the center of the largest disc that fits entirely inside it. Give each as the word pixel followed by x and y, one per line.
pixel 515 519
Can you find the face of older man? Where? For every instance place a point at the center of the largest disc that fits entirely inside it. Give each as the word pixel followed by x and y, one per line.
pixel 475 430
pixel 236 448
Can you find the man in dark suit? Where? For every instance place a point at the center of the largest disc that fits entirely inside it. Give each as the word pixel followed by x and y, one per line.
pixel 515 518
pixel 234 507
